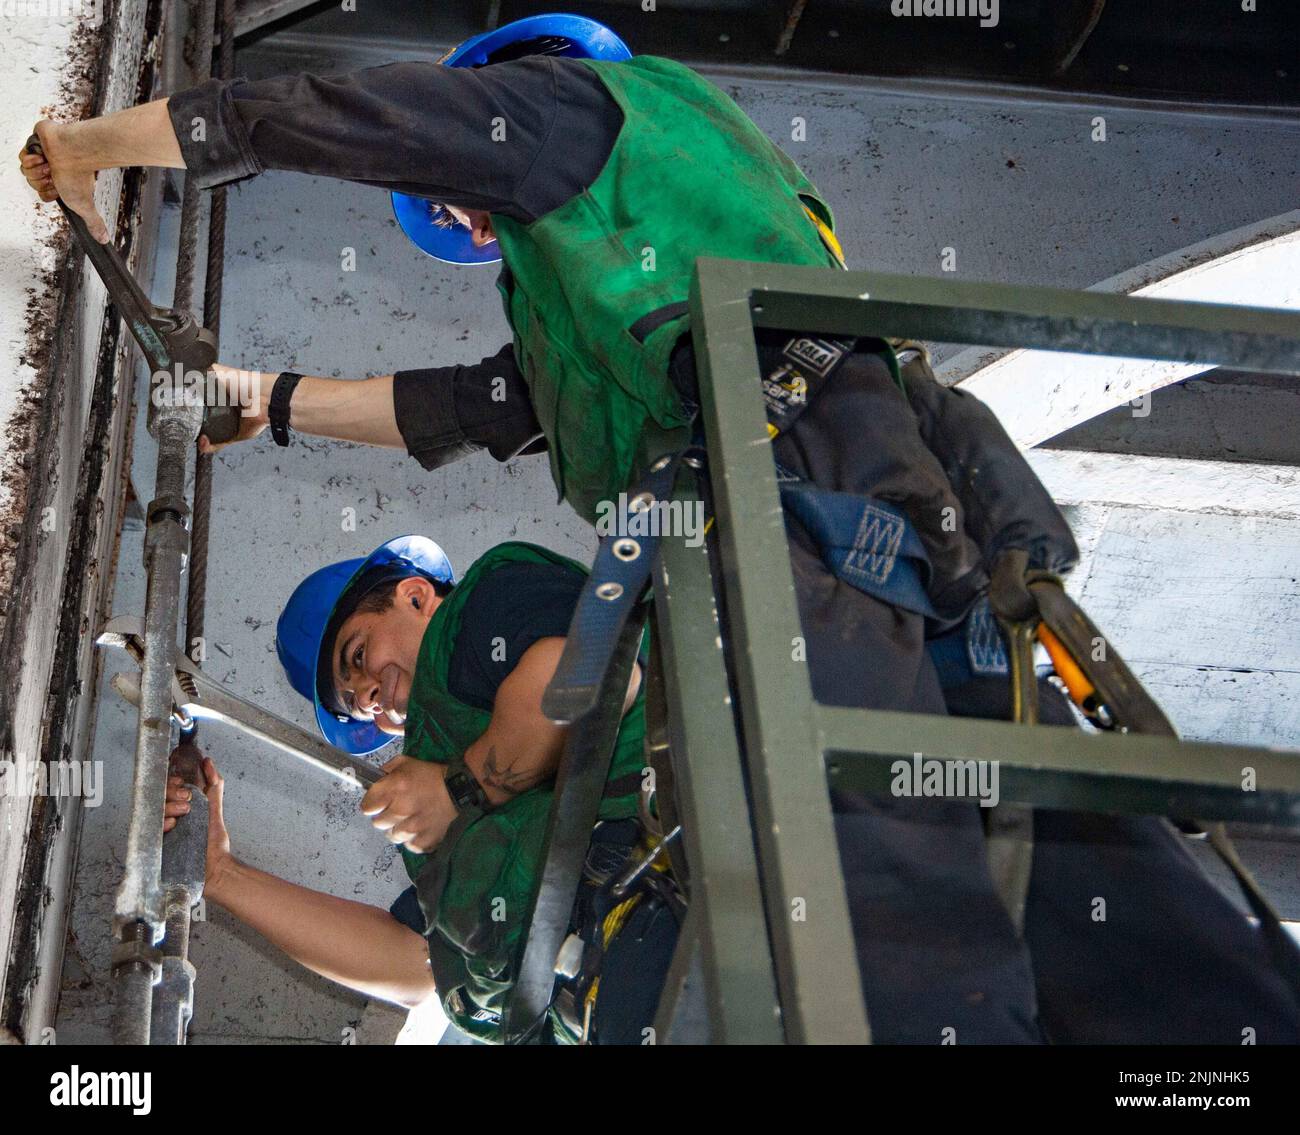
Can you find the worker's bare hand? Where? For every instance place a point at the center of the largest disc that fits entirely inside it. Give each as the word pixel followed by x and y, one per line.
pixel 59 173
pixel 219 857
pixel 177 804
pixel 411 805
pixel 250 391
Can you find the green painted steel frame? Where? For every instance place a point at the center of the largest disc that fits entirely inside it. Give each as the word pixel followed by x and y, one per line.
pixel 726 935
pixel 792 747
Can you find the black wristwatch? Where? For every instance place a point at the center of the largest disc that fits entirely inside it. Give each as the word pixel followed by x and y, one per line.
pixel 277 410
pixel 465 792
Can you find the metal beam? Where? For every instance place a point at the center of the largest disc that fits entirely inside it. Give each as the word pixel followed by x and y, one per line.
pixel 1037 395
pixel 808 919
pixel 1238 488
pixel 783 728
pixel 1063 768
pixel 735 957
pixel 1056 320
pixel 253 14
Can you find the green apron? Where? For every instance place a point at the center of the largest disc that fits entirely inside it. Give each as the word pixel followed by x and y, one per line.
pixel 590 287
pixel 476 888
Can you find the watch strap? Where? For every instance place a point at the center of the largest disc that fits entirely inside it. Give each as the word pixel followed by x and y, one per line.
pixel 464 789
pixel 277 410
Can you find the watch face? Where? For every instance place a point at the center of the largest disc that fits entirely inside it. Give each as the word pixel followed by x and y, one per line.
pixel 462 791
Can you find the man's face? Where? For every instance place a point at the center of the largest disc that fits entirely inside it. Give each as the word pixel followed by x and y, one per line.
pixel 373 656
pixel 478 221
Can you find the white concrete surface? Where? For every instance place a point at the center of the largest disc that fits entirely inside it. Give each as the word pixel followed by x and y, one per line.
pixel 1235 487
pixel 43 58
pixel 1039 394
pixel 49 355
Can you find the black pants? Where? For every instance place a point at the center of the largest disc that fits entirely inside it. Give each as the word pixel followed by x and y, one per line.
pixel 1172 962
pixel 632 970
pixel 632 975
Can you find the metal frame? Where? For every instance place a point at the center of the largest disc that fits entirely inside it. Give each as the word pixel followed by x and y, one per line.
pixel 144 914
pixel 793 748
pixel 724 942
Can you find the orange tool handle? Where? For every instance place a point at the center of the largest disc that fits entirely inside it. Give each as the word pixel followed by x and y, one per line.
pixel 1081 690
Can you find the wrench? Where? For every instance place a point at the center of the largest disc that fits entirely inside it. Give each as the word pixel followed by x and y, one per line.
pixel 195 696
pixel 169 338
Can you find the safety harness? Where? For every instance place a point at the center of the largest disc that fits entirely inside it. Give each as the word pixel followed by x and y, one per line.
pixel 871 545
pixel 627 871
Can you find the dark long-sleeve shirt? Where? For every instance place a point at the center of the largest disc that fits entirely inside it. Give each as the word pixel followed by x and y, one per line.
pixel 517 138
pixel 521 138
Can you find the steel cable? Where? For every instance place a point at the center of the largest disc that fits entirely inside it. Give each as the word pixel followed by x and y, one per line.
pixel 196 595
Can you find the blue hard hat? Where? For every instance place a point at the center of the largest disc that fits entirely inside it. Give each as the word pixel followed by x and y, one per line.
pixel 556 33
pixel 308 621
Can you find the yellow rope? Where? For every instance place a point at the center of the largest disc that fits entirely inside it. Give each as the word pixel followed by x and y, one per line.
pixel 832 242
pixel 613 923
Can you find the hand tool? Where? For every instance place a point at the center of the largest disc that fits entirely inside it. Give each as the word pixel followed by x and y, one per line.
pixel 195 696
pixel 175 345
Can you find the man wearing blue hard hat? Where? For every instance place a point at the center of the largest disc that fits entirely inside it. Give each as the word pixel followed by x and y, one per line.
pixel 323 603
pixel 392 645
pixel 597 178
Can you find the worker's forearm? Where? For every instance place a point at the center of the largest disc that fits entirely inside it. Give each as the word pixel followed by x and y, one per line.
pixel 139 136
pixel 359 410
pixel 359 946
pixel 505 772
pixel 521 748
pixel 348 410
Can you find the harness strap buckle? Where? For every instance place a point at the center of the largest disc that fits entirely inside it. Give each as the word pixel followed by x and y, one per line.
pixel 619 576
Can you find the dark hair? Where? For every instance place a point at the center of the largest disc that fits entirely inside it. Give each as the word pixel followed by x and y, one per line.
pixel 372 600
pixel 380 598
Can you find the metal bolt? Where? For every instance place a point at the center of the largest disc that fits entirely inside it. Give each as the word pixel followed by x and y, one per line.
pixel 627 549
pixel 609 591
pixel 641 502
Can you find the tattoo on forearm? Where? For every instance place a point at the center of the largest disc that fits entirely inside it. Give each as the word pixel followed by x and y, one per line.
pixel 504 777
